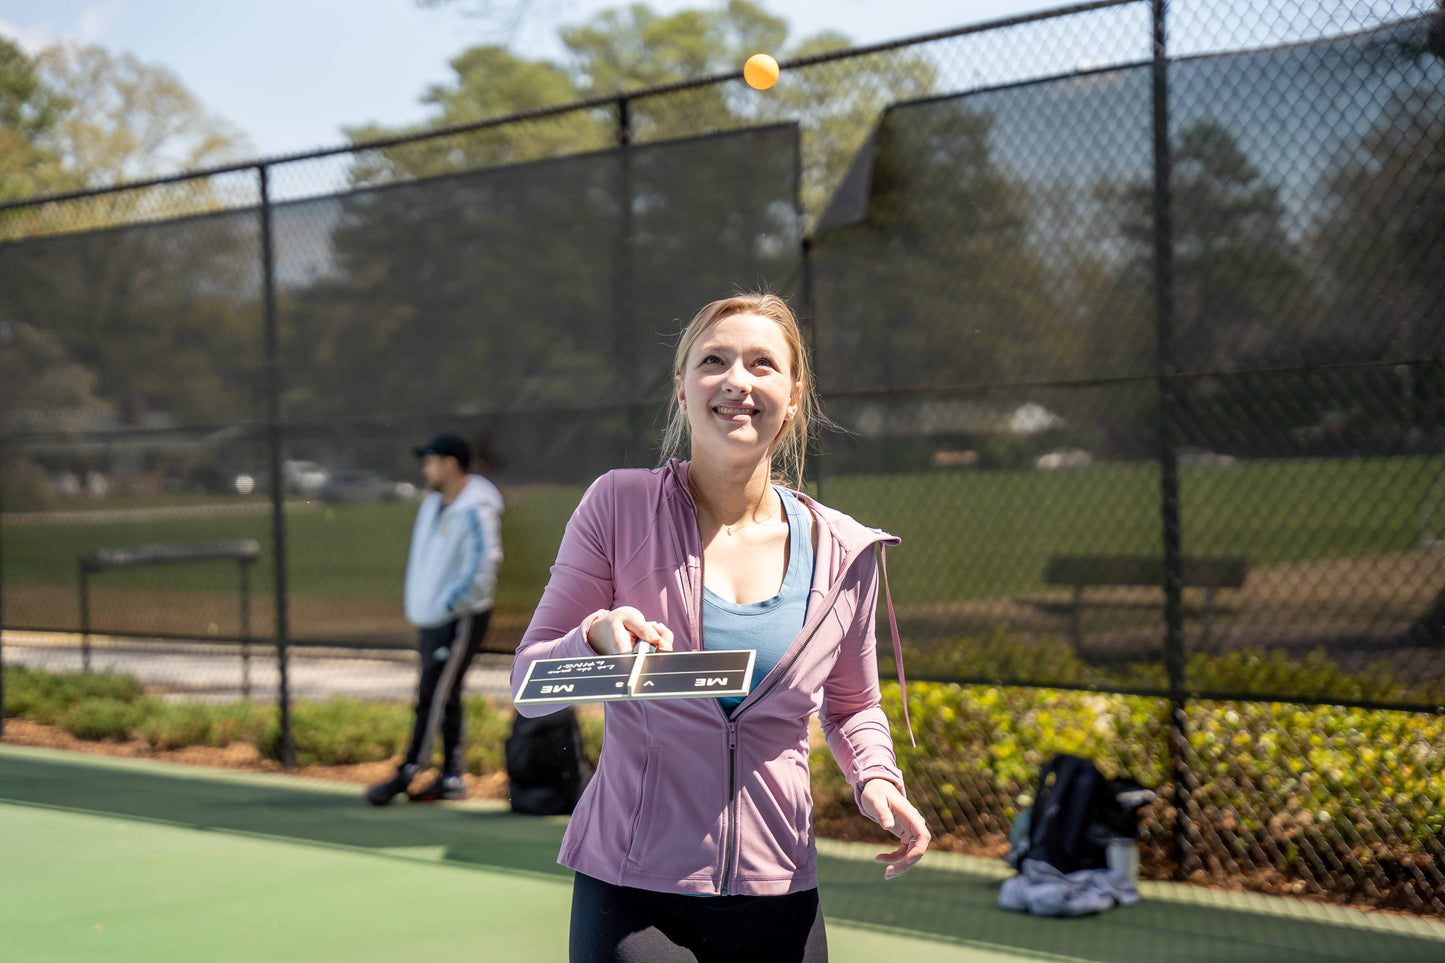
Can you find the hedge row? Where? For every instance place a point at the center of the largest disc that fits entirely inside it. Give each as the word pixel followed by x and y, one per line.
pixel 1285 798
pixel 336 731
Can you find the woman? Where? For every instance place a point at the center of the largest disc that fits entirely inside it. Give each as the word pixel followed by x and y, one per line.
pixel 711 797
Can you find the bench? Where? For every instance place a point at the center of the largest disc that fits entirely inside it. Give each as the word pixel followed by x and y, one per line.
pixel 244 552
pixel 1115 571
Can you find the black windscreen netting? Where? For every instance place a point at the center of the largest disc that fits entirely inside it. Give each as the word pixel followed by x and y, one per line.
pixel 138 327
pixel 549 285
pixel 536 304
pixel 989 335
pixel 130 392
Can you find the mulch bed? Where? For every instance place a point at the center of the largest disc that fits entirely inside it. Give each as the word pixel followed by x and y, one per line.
pixel 238 755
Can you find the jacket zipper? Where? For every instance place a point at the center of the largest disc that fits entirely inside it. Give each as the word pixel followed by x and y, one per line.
pixel 732 807
pixel 733 736
pixel 731 812
pixel 731 834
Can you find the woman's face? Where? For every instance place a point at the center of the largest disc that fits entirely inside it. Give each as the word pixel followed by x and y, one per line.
pixel 738 388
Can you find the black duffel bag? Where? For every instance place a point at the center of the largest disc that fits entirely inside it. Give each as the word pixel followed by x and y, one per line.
pixel 546 769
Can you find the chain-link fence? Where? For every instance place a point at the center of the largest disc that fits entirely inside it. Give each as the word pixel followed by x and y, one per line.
pixel 1130 326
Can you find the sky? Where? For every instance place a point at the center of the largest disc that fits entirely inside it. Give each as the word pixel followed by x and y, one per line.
pixel 292 73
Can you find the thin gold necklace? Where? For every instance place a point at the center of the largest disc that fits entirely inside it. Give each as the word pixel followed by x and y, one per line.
pixel 730 529
pixel 757 521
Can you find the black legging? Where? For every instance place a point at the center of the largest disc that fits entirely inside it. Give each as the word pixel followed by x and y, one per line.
pixel 446 652
pixel 619 924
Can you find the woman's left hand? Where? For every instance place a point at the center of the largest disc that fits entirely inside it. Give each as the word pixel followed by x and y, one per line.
pixel 885 805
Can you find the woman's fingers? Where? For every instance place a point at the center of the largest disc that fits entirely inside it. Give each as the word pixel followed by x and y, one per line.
pixel 894 856
pixel 615 632
pixel 653 633
pixel 910 850
pixel 905 822
pixel 620 637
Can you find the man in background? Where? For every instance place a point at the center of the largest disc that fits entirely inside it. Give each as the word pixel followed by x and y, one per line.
pixel 451 577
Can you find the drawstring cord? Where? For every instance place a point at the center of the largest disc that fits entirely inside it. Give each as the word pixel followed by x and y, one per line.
pixel 897 645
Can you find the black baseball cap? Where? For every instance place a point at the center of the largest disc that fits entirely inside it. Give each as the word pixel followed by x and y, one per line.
pixel 450 445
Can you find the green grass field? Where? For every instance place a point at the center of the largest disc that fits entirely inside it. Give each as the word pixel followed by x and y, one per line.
pixel 129 860
pixel 966 535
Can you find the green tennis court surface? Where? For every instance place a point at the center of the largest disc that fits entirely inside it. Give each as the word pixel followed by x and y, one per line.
pixel 118 860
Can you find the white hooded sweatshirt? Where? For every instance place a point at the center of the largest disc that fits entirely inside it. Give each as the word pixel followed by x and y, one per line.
pixel 455 553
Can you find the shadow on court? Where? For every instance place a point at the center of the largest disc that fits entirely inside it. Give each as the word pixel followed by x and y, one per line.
pixel 937 902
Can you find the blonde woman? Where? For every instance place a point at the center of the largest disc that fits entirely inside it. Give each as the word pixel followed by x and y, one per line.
pixel 711 797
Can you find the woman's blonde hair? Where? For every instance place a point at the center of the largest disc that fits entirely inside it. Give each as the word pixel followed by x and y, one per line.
pixel 791 444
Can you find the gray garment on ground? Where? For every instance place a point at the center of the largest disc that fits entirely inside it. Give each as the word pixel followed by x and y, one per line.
pixel 1041 889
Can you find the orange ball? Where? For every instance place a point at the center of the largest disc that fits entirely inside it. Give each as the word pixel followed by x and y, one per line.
pixel 761 71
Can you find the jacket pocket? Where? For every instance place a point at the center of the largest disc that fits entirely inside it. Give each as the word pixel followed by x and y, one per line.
pixel 646 803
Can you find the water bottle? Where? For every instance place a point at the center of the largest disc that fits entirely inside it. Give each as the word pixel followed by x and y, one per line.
pixel 1122 856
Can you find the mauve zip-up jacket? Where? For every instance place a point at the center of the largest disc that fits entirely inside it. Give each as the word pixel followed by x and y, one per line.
pixel 687 798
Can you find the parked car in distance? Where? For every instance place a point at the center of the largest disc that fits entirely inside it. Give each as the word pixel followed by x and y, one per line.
pixel 1203 456
pixel 1064 458
pixel 304 477
pixel 353 485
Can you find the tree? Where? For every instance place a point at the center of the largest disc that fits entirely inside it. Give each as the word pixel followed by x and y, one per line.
pixel 490 82
pixel 616 51
pixel 29 112
pixel 124 120
pixel 1381 238
pixel 128 120
pixel 163 315
pixel 39 379
pixel 633 48
pixel 940 285
pixel 838 105
pixel 1382 235
pixel 1242 296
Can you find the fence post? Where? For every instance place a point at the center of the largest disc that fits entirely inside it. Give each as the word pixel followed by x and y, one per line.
pixel 2 591
pixel 84 617
pixel 636 443
pixel 245 567
pixel 273 432
pixel 1168 457
pixel 808 313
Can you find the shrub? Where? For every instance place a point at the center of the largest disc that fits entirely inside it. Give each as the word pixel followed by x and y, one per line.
pixel 46 697
pixel 1318 798
pixel 486 735
pixel 102 718
pixel 176 725
pixel 340 731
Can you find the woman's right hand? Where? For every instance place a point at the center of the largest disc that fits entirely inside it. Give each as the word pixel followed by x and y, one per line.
pixel 619 630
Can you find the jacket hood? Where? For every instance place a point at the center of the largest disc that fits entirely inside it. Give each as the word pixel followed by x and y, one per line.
pixel 478 491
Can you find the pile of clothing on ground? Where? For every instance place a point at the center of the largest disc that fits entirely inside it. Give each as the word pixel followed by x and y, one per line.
pixel 1076 849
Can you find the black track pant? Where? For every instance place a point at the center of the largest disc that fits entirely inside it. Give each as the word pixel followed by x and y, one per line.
pixel 446 652
pixel 619 924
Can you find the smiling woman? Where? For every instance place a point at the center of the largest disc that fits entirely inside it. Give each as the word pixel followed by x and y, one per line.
pixel 770 331
pixel 706 796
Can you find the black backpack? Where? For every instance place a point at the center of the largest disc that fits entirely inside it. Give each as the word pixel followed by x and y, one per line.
pixel 546 769
pixel 1076 813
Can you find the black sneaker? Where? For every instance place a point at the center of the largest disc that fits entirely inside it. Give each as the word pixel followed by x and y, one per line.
pixel 384 792
pixel 442 787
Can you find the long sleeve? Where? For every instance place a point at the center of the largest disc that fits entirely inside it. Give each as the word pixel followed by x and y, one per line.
pixel 579 589
pixel 481 551
pixel 461 592
pixel 852 715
